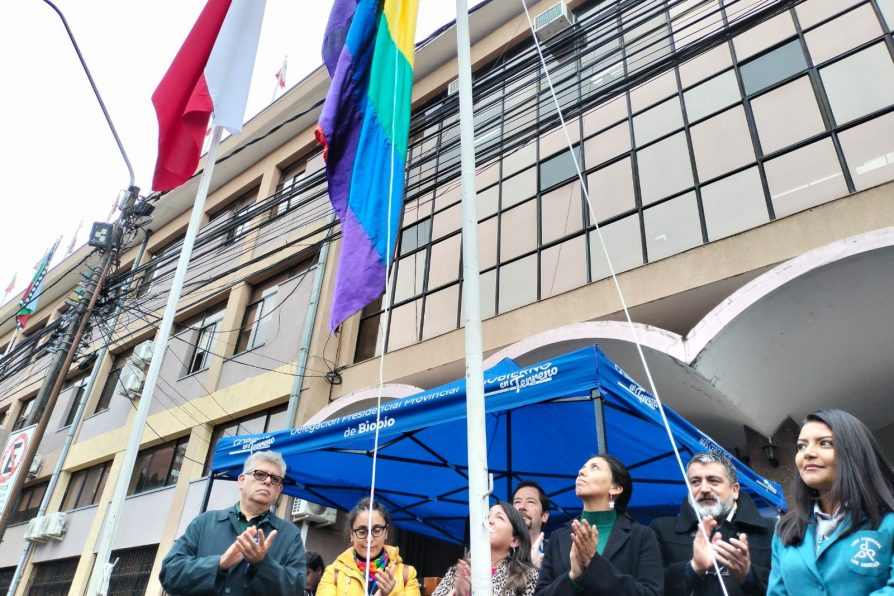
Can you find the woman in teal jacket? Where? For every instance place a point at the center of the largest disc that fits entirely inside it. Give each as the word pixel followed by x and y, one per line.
pixel 838 538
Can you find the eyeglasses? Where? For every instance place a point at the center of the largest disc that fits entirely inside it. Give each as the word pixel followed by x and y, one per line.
pixel 362 532
pixel 261 476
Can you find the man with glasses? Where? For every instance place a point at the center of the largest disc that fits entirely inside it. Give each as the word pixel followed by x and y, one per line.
pixel 244 549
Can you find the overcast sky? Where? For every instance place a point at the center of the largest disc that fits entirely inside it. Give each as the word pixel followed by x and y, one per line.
pixel 60 164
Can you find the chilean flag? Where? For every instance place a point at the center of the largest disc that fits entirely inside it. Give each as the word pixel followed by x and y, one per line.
pixel 210 74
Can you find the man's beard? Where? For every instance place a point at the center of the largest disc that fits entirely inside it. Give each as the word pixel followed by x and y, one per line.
pixel 716 509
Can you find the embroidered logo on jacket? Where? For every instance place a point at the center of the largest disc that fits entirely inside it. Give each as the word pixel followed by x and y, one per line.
pixel 866 550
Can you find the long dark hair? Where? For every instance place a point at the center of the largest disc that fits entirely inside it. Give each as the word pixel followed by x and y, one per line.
pixel 519 560
pixel 863 479
pixel 621 477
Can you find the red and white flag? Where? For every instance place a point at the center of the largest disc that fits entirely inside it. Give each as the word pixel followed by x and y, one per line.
pixel 281 73
pixel 210 74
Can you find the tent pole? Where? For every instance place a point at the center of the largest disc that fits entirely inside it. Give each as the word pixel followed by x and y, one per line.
pixel 477 438
pixel 599 415
pixel 207 496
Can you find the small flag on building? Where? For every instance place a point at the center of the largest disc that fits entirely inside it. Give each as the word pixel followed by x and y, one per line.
pixel 368 49
pixel 31 297
pixel 281 73
pixel 210 74
pixel 74 239
pixel 10 287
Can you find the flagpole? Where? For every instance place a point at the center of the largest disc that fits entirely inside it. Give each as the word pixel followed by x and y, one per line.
pixel 479 490
pixel 12 340
pixel 102 569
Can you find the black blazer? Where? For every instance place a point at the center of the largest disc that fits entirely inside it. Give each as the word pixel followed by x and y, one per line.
pixel 629 565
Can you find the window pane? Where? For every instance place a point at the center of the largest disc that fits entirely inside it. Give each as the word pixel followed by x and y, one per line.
pixel 664 168
pixel 646 43
pixel 611 189
pixel 265 319
pixel 405 325
pixel 762 36
pixel 560 212
pixel 488 202
pixel 447 221
pixel 446 195
pixel 108 390
pixel 887 8
pixel 672 227
pixel 607 145
pixel 606 114
pixel 518 283
pixel 787 115
pixel 94 483
pixel 72 492
pixel 444 266
pixel 772 67
pixel 563 267
pixel 734 204
pixel 813 11
pixel 415 236
pixel 804 178
pixel 692 20
pixel 518 231
pixel 869 150
pixel 657 121
pixel 722 143
pixel 711 96
pixel 176 463
pixel 248 323
pixel 860 84
pixel 520 158
pixel 487 283
pixel 653 91
pixel 703 66
pixel 487 243
pixel 558 168
pixel 846 32
pixel 369 338
pixel 624 244
pixel 519 187
pixel 555 140
pixel 441 310
pixel 410 276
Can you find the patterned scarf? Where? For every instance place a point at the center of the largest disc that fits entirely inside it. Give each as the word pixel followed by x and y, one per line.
pixel 380 562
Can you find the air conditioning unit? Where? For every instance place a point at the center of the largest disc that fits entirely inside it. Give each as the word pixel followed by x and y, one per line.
pixel 312 512
pixel 453 87
pixel 551 21
pixel 55 526
pixel 34 470
pixel 36 531
pixel 142 353
pixel 132 380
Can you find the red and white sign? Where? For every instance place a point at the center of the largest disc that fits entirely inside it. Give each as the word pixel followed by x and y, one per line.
pixel 11 461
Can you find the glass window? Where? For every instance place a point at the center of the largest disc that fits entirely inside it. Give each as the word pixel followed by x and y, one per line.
pixel 887 8
pixel 705 65
pixel 132 570
pixel 722 143
pixel 410 276
pixel 846 32
pixel 558 168
pixel 257 318
pixel 812 12
pixel 555 140
pixel 653 91
pixel 860 83
pixel 447 221
pixel 606 114
pixel 869 150
pixel 53 578
pixel 518 283
pixel 77 386
pixel 415 236
pixel 764 35
pixel 692 20
pixel 657 121
pixel 487 291
pixel 203 330
pixel 560 212
pixel 520 158
pixel 804 178
pixel 787 115
pixel 486 175
pixel 487 243
pixel 24 412
pixel 240 222
pixel 405 321
pixel 444 266
pixel 110 387
pixel 519 187
pixel 447 194
pixel 369 336
pixel 712 95
pixel 28 503
pixel 518 231
pixel 624 244
pixel 664 168
pixel 607 145
pixel 157 467
pixel 596 76
pixel 672 227
pixel 441 311
pixel 563 267
pixel 773 67
pixel 290 182
pixel 647 42
pixel 734 204
pixel 611 189
pixel 85 487
pixel 488 202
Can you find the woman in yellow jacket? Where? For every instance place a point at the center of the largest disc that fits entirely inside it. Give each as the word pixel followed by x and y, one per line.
pixel 388 575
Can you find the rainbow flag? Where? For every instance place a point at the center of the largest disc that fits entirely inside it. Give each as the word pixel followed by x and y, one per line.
pixel 368 50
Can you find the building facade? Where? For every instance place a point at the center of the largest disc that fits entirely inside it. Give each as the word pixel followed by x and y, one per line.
pixel 737 157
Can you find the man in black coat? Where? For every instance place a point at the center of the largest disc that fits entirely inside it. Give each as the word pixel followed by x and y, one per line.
pixel 740 536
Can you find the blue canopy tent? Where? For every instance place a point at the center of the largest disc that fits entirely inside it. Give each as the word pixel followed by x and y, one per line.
pixel 543 422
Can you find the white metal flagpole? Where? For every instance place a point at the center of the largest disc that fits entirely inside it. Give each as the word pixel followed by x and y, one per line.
pixel 102 569
pixel 479 489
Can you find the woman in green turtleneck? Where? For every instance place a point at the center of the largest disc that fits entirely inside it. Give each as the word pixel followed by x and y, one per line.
pixel 604 551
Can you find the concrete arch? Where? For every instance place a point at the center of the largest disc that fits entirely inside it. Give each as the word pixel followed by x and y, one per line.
pixel 390 391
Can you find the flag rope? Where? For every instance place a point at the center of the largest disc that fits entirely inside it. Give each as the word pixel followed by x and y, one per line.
pixel 620 293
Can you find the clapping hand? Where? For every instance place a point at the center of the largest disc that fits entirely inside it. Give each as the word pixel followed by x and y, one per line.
pixel 584 539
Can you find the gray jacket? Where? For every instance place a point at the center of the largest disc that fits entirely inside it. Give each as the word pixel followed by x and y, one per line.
pixel 192 565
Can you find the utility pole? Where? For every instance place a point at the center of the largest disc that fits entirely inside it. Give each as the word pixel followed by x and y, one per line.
pixel 62 359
